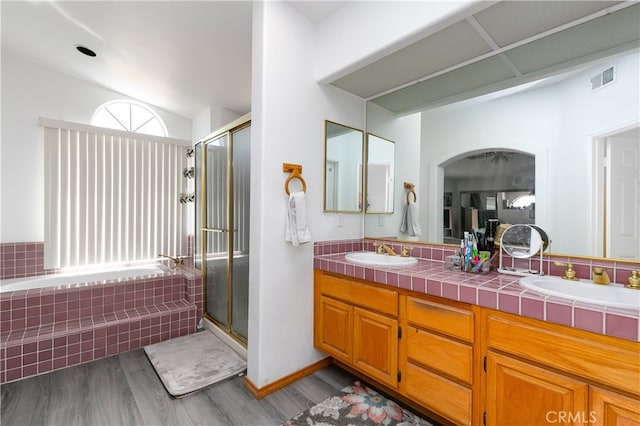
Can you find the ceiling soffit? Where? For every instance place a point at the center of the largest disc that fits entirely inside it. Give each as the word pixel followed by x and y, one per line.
pixel 487 52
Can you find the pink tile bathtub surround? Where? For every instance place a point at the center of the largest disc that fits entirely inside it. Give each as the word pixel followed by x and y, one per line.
pixel 24 259
pixel 494 290
pixel 49 328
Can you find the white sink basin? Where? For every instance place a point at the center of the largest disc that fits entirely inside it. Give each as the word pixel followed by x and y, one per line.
pixel 372 259
pixel 584 291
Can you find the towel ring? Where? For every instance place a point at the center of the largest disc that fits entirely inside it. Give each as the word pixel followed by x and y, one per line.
pixel 411 188
pixel 286 183
pixel 295 170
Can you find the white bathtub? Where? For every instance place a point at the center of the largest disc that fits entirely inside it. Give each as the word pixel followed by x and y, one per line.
pixel 88 276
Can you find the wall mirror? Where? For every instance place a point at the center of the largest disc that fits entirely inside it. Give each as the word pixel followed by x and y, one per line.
pixel 380 174
pixel 343 147
pixel 566 124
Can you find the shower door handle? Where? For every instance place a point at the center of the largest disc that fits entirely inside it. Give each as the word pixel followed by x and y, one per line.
pixel 215 230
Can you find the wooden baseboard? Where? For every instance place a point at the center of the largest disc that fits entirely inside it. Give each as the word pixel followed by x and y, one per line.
pixel 259 393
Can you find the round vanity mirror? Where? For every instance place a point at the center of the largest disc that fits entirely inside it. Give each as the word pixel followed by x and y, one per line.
pixel 521 241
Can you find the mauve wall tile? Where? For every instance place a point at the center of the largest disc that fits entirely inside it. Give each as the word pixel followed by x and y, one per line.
pixel 488 299
pixel 619 326
pixel 532 308
pixel 509 303
pixel 587 319
pixel 434 288
pixel 468 294
pixel 559 314
pixel 418 284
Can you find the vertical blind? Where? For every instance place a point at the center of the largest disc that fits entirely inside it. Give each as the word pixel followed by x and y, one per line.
pixel 111 196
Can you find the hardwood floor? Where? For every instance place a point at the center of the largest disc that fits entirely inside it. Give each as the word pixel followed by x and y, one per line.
pixel 125 390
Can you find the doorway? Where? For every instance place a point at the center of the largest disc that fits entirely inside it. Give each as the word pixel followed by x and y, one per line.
pixel 223 168
pixel 617 200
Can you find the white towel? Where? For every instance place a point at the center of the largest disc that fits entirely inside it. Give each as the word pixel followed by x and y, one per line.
pixel 296 227
pixel 410 224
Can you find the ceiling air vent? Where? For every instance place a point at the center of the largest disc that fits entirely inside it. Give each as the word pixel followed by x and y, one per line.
pixel 604 78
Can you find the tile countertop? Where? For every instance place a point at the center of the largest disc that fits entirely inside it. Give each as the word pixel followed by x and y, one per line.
pixel 491 290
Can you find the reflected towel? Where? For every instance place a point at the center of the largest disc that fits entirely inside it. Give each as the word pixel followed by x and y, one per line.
pixel 296 227
pixel 410 224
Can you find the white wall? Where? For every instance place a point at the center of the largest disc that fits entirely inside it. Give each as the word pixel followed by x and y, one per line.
pixel 28 92
pixel 556 123
pixel 211 119
pixel 288 113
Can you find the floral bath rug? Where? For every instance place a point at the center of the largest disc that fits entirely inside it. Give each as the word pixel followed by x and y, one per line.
pixel 359 405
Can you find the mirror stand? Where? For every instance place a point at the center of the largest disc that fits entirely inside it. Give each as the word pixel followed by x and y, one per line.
pixel 520 242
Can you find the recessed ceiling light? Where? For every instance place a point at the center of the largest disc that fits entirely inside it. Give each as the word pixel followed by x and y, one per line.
pixel 85 50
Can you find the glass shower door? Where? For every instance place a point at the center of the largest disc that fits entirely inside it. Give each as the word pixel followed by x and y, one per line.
pixel 216 230
pixel 241 160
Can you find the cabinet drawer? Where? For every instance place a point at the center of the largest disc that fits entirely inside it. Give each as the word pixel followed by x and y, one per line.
pixel 444 319
pixel 358 294
pixel 604 359
pixel 452 358
pixel 440 395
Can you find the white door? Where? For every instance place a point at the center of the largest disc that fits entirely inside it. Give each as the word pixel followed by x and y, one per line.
pixel 623 196
pixel 331 184
pixel 378 199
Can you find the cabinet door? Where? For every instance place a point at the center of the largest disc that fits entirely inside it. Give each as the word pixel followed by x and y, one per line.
pixel 375 346
pixel 334 328
pixel 609 409
pixel 522 394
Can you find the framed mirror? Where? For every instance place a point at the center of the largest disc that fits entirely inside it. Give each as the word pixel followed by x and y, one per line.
pixel 343 148
pixel 380 174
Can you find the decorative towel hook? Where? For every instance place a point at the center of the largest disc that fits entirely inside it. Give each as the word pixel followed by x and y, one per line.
pixel 411 187
pixel 296 173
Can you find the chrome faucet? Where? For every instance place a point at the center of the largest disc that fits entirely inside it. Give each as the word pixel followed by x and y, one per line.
pixel 179 260
pixel 383 247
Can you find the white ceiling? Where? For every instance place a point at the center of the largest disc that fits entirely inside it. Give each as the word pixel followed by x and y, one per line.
pixel 182 56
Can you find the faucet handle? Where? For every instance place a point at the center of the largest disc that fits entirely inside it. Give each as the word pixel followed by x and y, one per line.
pixel 378 248
pixel 634 280
pixel 569 273
pixel 406 250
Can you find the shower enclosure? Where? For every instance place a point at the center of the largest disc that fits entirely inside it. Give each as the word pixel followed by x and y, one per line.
pixel 223 161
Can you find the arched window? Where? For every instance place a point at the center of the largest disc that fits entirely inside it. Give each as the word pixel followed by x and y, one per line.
pixel 523 201
pixel 129 116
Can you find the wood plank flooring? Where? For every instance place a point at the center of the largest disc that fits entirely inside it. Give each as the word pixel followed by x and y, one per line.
pixel 125 390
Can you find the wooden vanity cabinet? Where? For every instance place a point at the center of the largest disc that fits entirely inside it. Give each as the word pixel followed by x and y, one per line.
pixel 543 373
pixel 357 324
pixel 437 356
pixel 472 365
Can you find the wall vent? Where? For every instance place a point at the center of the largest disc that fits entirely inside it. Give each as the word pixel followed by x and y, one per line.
pixel 604 78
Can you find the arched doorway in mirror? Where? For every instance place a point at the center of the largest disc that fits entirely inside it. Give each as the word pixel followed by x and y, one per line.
pixel 491 184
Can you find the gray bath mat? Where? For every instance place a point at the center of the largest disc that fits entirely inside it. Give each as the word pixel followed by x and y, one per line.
pixel 189 363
